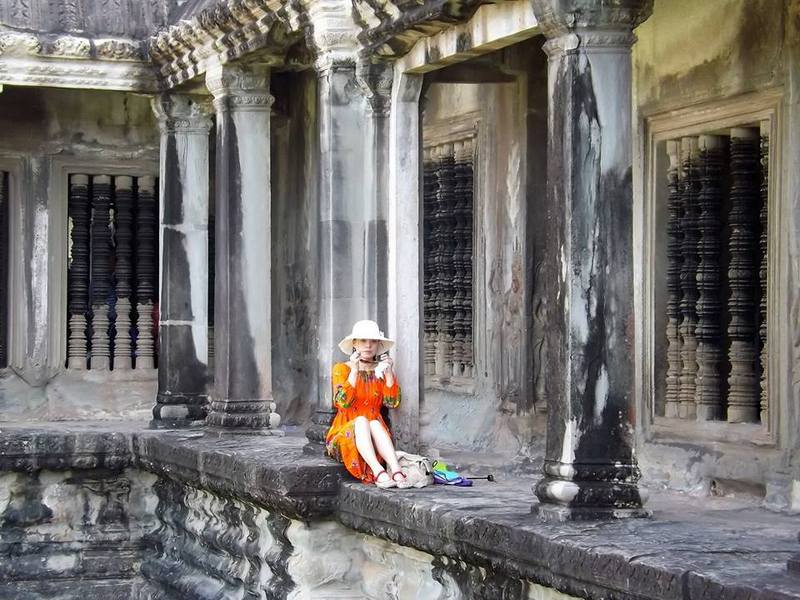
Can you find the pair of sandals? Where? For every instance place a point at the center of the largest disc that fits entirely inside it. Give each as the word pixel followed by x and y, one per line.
pixel 392 480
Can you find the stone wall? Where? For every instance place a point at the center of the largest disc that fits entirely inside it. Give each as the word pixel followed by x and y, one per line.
pixel 49 133
pixel 697 57
pixel 294 245
pixel 505 92
pixel 75 533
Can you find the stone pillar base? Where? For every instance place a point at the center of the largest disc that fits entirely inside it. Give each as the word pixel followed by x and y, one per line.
pixel 551 513
pixel 320 423
pixel 609 497
pixel 179 410
pixel 250 415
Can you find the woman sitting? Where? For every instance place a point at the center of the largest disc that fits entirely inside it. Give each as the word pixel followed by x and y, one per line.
pixel 359 437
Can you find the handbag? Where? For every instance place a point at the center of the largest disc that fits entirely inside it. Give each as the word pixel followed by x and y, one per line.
pixel 416 468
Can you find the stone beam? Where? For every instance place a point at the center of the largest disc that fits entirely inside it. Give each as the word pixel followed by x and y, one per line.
pixel 590 470
pixel 183 328
pixel 492 27
pixel 242 397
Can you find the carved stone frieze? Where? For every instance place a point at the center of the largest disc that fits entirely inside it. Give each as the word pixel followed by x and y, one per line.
pixel 68 46
pixel 113 49
pixel 19 44
pixel 68 73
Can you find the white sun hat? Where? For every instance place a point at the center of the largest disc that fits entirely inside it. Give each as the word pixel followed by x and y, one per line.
pixel 366 330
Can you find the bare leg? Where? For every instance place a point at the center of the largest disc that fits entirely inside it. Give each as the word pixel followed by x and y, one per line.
pixel 364 444
pixel 384 445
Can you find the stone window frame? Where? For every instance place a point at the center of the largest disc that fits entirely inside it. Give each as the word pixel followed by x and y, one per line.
pixel 762 106
pixel 463 127
pixel 15 165
pixel 58 240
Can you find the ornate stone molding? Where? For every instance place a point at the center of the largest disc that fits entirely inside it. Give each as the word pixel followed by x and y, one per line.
pixel 69 73
pixel 223 33
pixel 182 113
pixel 389 29
pixel 13 43
pixel 240 86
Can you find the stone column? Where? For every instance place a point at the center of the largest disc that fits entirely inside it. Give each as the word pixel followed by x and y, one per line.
pixel 183 326
pixel 242 396
pixel 352 229
pixel 405 252
pixel 590 470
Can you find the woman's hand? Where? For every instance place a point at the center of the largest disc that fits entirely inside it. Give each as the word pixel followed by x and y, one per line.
pixel 354 360
pixel 353 364
pixel 386 369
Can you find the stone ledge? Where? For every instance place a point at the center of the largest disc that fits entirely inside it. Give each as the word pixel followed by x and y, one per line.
pixel 691 549
pixel 683 552
pixel 270 471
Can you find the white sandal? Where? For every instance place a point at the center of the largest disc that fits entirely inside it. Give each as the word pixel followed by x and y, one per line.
pixel 386 484
pixel 404 483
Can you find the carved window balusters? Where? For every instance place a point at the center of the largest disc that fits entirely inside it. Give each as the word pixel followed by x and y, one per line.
pixel 123 271
pixel 146 274
pixel 80 218
pixel 429 187
pixel 101 270
pixel 691 237
pixel 743 381
pixel 708 386
pixel 716 277
pixel 762 274
pixel 4 286
pixel 112 272
pixel 447 264
pixel 674 294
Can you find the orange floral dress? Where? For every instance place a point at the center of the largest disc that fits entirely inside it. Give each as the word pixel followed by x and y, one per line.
pixel 365 399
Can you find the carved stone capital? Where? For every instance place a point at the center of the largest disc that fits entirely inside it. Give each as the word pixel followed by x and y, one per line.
pixel 334 37
pixel 182 113
pixel 560 17
pixel 375 81
pixel 240 86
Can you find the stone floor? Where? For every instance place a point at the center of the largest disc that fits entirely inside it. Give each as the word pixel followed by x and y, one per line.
pixel 692 547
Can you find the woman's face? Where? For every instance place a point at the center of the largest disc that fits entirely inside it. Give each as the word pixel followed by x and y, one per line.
pixel 366 349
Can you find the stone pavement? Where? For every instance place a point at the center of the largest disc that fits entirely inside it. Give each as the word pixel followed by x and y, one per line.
pixel 691 548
